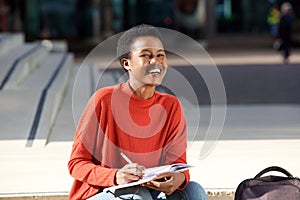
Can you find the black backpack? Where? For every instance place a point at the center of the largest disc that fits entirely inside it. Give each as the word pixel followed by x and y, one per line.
pixel 269 187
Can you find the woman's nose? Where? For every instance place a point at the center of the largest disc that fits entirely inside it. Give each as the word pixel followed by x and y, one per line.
pixel 154 60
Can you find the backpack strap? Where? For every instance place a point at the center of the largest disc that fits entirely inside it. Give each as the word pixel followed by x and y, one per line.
pixel 273 168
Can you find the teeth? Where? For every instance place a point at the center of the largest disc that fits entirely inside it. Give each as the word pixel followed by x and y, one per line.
pixel 154 71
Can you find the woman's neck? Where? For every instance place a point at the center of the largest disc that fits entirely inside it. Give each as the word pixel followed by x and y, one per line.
pixel 142 91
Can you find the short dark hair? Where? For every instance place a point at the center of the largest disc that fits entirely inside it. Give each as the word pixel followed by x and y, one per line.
pixel 128 38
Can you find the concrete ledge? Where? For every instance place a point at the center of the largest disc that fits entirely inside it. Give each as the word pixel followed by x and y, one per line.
pixel 10 61
pixel 26 66
pixel 54 197
pixel 80 90
pixel 9 41
pixel 56 72
pixel 53 102
pixel 18 107
pixel 25 99
pixel 220 195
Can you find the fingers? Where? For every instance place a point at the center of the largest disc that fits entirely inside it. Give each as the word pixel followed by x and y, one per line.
pixel 166 182
pixel 162 182
pixel 133 168
pixel 164 187
pixel 129 173
pixel 127 177
pixel 123 177
pixel 164 176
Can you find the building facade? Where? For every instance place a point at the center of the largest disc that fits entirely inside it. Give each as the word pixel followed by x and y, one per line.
pixel 102 18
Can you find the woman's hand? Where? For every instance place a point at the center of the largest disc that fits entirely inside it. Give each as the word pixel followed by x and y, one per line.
pixel 166 182
pixel 129 173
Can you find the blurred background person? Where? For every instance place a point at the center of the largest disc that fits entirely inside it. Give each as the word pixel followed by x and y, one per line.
pixel 285 29
pixel 189 16
pixel 4 16
pixel 273 20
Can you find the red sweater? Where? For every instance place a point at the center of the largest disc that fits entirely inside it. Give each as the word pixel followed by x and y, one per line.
pixel 150 132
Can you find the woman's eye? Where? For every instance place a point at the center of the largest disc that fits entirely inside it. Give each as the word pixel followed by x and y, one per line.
pixel 146 56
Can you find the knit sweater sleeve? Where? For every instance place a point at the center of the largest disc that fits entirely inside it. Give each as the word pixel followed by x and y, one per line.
pixel 177 139
pixel 82 165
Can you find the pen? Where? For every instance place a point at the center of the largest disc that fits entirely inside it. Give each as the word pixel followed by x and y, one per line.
pixel 125 157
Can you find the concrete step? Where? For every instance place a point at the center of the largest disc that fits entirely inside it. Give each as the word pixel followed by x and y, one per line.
pixel 10 61
pixel 34 171
pixel 211 196
pixel 51 80
pixel 34 104
pixel 108 77
pixel 37 79
pixel 83 86
pixel 16 114
pixel 24 65
pixel 10 41
pixel 86 79
pixel 36 197
pixel 64 125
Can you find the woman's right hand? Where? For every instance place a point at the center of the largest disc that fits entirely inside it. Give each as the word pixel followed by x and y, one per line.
pixel 129 173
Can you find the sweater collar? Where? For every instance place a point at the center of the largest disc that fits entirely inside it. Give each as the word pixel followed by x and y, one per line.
pixel 126 88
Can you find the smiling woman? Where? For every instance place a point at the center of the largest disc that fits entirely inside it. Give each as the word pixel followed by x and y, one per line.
pixel 133 118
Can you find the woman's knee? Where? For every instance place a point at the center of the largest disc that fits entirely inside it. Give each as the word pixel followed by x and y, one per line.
pixel 195 191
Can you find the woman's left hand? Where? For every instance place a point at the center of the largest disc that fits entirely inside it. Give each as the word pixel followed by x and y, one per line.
pixel 166 182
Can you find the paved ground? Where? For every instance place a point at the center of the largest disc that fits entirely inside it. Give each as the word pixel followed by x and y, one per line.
pixel 253 137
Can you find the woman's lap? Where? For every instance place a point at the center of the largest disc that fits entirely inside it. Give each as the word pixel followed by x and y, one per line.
pixel 193 191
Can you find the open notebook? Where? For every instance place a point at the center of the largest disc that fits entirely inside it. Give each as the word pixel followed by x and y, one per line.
pixel 151 173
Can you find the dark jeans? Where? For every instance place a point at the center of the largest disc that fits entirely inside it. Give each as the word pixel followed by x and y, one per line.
pixel 193 191
pixel 286 46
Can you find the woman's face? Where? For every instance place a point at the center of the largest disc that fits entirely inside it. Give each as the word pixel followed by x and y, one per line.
pixel 148 63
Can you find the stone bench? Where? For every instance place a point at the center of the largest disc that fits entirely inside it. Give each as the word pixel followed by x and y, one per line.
pixel 25 65
pixel 86 79
pixel 51 93
pixel 34 80
pixel 9 41
pixel 11 62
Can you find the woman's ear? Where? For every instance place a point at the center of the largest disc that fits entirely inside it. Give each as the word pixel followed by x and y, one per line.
pixel 125 63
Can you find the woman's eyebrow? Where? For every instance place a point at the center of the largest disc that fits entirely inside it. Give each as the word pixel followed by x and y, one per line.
pixel 161 50
pixel 147 50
